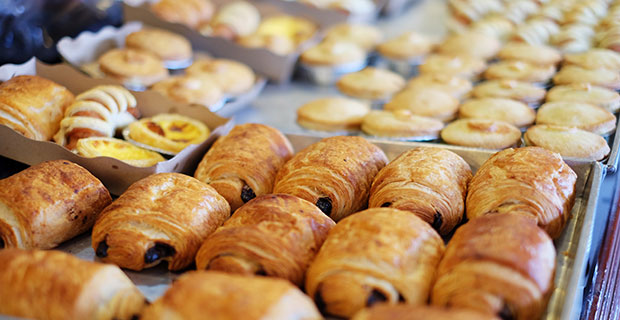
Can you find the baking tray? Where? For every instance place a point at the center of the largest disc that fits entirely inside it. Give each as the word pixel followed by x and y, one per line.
pixel 573 246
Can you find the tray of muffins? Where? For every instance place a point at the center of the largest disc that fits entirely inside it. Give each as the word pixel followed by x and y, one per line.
pixel 342 227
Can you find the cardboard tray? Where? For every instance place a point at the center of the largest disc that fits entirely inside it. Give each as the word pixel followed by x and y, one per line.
pixel 276 67
pixel 115 174
pixel 335 15
pixel 83 51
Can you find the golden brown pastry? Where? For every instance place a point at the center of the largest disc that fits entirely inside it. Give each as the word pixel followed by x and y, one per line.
pixel 33 106
pixel 403 311
pixel 510 89
pixel 530 181
pixel 535 54
pixel 580 115
pixel 595 59
pixel 220 296
pixel 427 181
pixel 456 86
pixel 514 112
pixel 244 163
pixel 519 70
pixel 377 255
pixel 407 46
pixel 272 235
pixel 364 35
pixel 49 203
pixel 598 77
pixel 202 90
pixel 163 217
pixel 481 133
pixel 168 46
pixel 168 132
pixel 334 173
pixel 332 114
pixel 135 68
pixel 371 83
pixel 231 76
pixel 401 123
pixel 191 13
pixel 426 102
pixel 501 265
pixel 584 92
pixel 52 285
pixel 120 149
pixel 462 66
pixel 567 141
pixel 233 19
pixel 470 44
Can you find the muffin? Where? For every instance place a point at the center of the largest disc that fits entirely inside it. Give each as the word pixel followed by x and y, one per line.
pixel 470 44
pixel 510 89
pixel 580 115
pixel 332 114
pixel 595 59
pixel 583 92
pixel 172 48
pixel 520 70
pixel 232 77
pixel 539 55
pixel 365 36
pixel 371 83
pixel 202 90
pixel 426 102
pixel 408 46
pixel 135 68
pixel 401 124
pixel 481 133
pixel 463 66
pixel 599 77
pixel 456 86
pixel 569 142
pixel 511 111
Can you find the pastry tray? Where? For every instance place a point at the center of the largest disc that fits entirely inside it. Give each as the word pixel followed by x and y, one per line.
pixel 573 247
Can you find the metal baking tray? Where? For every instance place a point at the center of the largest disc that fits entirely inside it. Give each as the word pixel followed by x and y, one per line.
pixel 573 246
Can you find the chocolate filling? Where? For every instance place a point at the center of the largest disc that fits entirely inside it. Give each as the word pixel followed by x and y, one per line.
pixel 437 221
pixel 158 251
pixel 135 317
pixel 401 298
pixel 375 297
pixel 318 299
pixel 260 272
pixel 385 205
pixel 1 243
pixel 247 193
pixel 325 204
pixel 506 313
pixel 102 249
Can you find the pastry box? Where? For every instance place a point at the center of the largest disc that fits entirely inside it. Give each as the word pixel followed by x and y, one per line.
pixel 83 51
pixel 574 246
pixel 115 174
pixel 278 68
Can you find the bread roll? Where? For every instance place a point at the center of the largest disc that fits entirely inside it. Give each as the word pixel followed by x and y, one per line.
pixel 530 181
pixel 500 264
pixel 273 235
pixel 49 203
pixel 377 255
pixel 220 296
pixel 334 173
pixel 33 106
pixel 51 285
pixel 244 163
pixel 163 217
pixel 430 182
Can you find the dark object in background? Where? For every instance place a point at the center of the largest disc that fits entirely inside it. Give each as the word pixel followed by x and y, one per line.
pixel 32 27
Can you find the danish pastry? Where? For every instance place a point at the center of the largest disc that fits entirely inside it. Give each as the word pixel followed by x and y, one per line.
pixel 244 163
pixel 120 149
pixel 530 181
pixel 163 217
pixel 221 296
pixel 168 132
pixel 33 106
pixel 429 182
pixel 334 173
pixel 272 235
pixel 500 264
pixel 231 76
pixel 55 285
pixel 49 203
pixel 377 255
pixel 135 68
pixel 202 90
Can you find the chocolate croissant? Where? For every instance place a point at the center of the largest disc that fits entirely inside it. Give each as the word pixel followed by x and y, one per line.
pixel 334 173
pixel 49 203
pixel 273 235
pixel 220 296
pixel 163 217
pixel 54 285
pixel 410 312
pixel 377 255
pixel 500 264
pixel 430 182
pixel 244 163
pixel 530 181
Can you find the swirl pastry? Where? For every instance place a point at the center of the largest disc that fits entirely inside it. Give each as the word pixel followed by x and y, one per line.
pixel 168 132
pixel 530 181
pixel 135 68
pixel 165 216
pixel 273 235
pixel 244 163
pixel 430 182
pixel 221 296
pixel 334 173
pixel 97 112
pixel 54 285
pixel 33 106
pixel 49 203
pixel 377 255
pixel 409 312
pixel 499 264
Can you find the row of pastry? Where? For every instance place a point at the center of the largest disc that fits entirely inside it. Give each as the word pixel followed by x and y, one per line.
pixel 300 217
